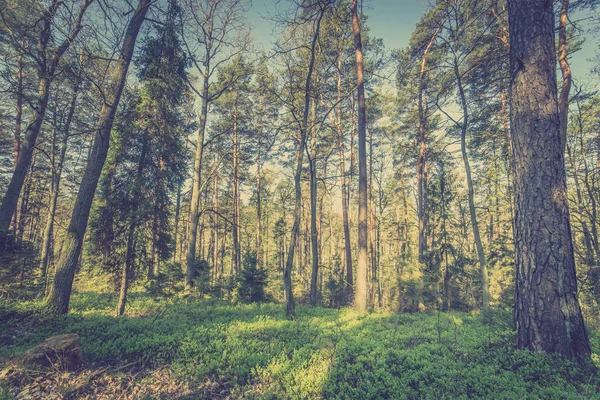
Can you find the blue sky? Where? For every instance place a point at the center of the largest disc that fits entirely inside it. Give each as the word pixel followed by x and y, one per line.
pixel 394 21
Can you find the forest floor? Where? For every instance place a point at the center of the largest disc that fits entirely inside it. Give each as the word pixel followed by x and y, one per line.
pixel 194 349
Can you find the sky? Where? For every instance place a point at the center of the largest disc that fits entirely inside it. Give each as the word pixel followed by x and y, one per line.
pixel 391 20
pixel 394 22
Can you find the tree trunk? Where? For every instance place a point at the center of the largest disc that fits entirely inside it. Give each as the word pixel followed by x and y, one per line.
pixel 547 312
pixel 19 111
pixel 237 256
pixel 190 260
pixel 55 188
pixel 259 255
pixel 565 68
pixel 287 273
pixel 360 298
pixel 60 293
pixel 129 254
pixel 485 291
pixel 46 73
pixel 345 213
pixel 422 154
pixel 314 232
pixel 177 238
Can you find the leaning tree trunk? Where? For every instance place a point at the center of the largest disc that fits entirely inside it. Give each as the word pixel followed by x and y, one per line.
pixel 547 312
pixel 46 72
pixel 60 292
pixel 361 294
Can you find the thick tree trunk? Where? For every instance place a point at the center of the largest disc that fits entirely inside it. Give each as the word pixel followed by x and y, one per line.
pixel 60 292
pixel 361 294
pixel 547 312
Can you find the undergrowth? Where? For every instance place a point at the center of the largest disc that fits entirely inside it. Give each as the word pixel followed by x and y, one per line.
pixel 254 351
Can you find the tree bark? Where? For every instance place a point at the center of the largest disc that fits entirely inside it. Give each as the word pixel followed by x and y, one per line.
pixel 360 297
pixel 567 76
pixel 60 293
pixel 547 312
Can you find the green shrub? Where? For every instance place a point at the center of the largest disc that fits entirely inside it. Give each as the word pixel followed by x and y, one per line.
pixel 252 281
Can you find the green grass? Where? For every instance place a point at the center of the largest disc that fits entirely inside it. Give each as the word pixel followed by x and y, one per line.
pixel 254 351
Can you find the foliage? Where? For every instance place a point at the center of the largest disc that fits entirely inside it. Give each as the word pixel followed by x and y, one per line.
pixel 255 351
pixel 167 283
pixel 252 281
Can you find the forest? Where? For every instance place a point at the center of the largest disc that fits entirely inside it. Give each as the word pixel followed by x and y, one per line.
pixel 192 211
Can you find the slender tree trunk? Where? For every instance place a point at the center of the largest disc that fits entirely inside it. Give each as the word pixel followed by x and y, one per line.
pixel 314 232
pixel 60 292
pixel 547 312
pixel 190 263
pixel 485 291
pixel 129 254
pixel 177 237
pixel 19 111
pixel 300 146
pixel 360 298
pixel 345 200
pixel 55 188
pixel 259 255
pixel 374 279
pixel 237 257
pixel 216 226
pixel 422 154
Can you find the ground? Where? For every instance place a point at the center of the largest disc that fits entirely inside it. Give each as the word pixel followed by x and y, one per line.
pixel 196 348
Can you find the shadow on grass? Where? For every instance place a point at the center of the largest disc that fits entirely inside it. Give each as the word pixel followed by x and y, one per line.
pixel 254 351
